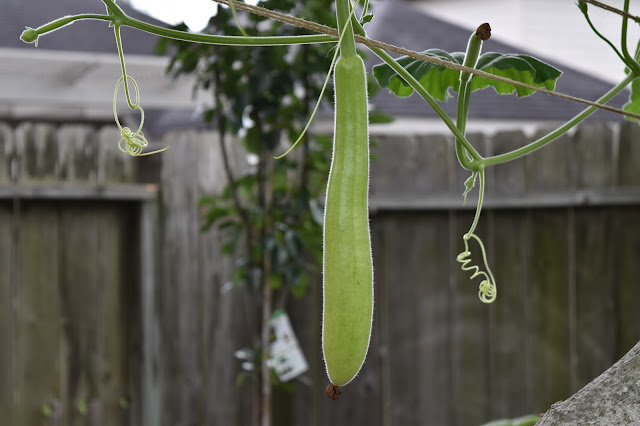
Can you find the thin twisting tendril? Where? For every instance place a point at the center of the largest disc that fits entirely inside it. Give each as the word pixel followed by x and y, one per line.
pixel 132 143
pixel 487 290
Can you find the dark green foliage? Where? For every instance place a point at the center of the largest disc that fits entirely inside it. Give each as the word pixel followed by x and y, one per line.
pixel 261 98
pixel 438 80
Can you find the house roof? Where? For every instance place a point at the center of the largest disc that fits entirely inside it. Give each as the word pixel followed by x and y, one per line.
pixel 395 22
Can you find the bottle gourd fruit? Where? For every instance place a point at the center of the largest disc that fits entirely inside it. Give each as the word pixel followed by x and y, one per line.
pixel 347 263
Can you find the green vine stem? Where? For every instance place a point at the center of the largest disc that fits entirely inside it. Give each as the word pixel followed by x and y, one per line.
pixel 585 11
pixel 474 47
pixel 527 149
pixel 343 14
pixel 30 35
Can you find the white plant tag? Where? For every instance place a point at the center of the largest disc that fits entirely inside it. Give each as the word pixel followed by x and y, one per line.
pixel 286 358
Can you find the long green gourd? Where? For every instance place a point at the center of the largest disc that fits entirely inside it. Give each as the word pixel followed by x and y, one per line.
pixel 347 263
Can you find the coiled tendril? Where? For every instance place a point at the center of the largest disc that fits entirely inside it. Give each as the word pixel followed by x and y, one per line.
pixel 487 290
pixel 132 143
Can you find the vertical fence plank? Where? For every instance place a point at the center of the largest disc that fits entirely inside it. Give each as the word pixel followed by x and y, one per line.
pixel 510 357
pixel 94 303
pixel 40 358
pixel 549 302
pixel 117 301
pixel 419 316
pixel 183 386
pixel 627 271
pixel 149 411
pixel 6 153
pixel 627 244
pixel 552 287
pixel 594 285
pixel 202 317
pixel 403 320
pixel 7 323
pixel 628 155
pixel 430 273
pixel 595 289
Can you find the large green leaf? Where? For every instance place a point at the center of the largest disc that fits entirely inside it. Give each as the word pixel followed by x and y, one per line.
pixel 634 100
pixel 437 80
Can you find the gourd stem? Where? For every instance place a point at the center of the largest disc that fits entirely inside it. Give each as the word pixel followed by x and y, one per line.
pixel 343 13
pixel 464 93
pixel 520 152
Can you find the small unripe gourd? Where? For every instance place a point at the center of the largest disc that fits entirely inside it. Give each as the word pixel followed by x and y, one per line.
pixel 347 263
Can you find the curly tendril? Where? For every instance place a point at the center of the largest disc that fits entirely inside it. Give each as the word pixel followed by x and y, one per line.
pixel 487 290
pixel 132 143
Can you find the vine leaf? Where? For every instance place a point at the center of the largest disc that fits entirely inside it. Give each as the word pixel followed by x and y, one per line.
pixel 634 100
pixel 437 80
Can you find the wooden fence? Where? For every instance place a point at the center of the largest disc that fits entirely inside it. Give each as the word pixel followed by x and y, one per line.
pixel 116 310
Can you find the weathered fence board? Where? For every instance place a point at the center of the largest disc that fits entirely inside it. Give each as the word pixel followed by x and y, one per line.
pixel 509 319
pixel 549 301
pixel 594 296
pixel 40 361
pixel 203 318
pixel 626 272
pixel 7 323
pixel 6 154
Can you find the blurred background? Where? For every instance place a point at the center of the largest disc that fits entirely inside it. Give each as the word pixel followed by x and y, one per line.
pixel 137 291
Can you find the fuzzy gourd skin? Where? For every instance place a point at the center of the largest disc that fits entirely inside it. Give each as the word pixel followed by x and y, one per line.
pixel 347 263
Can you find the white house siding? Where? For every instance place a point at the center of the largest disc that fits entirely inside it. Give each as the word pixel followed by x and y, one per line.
pixel 551 28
